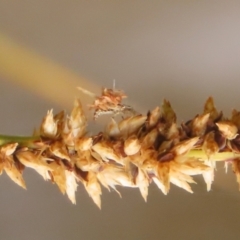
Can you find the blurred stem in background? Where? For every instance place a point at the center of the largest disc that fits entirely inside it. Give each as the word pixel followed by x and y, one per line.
pixel 39 74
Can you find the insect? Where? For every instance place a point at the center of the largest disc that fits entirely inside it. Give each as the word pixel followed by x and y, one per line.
pixel 110 102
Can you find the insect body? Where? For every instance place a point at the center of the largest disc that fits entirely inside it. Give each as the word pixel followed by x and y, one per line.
pixel 110 102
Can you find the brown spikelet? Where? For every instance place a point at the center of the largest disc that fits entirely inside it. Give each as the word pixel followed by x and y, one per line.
pixel 209 107
pixel 93 188
pixel 142 182
pixel 210 147
pixel 153 117
pixel 168 113
pixel 49 126
pixel 199 124
pixel 131 146
pixel 228 129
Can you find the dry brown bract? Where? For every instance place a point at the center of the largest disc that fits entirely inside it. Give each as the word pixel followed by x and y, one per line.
pixel 134 152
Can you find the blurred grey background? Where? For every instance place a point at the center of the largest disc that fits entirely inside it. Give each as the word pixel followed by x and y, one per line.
pixel 184 51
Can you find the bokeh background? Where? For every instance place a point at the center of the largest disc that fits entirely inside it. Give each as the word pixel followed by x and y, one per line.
pixel 183 51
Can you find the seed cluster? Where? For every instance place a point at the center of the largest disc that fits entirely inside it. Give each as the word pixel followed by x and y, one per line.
pixel 132 152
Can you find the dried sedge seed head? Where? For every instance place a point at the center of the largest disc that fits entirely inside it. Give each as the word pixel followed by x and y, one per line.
pixel 208 176
pixel 150 138
pixel 165 146
pixel 173 132
pixel 112 176
pixel 132 146
pixel 83 144
pixel 8 164
pixel 154 117
pixel 71 186
pixel 29 159
pixel 8 149
pixel 163 171
pixel 209 107
pixel 199 124
pixel 106 152
pixel 77 121
pixel 150 165
pixel 190 166
pixel 13 172
pixel 59 118
pixel 210 147
pixel 59 150
pixel 49 126
pixel 58 175
pixel 228 129
pixel 142 182
pixel 132 153
pixel 131 125
pixel 185 146
pixel 86 162
pixel 181 180
pixel 168 113
pixel 93 188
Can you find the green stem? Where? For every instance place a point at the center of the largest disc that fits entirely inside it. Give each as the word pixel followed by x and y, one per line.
pixel 21 140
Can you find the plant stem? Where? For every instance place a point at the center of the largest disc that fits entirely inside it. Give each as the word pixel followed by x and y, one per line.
pixel 21 140
pixel 30 141
pixel 220 156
